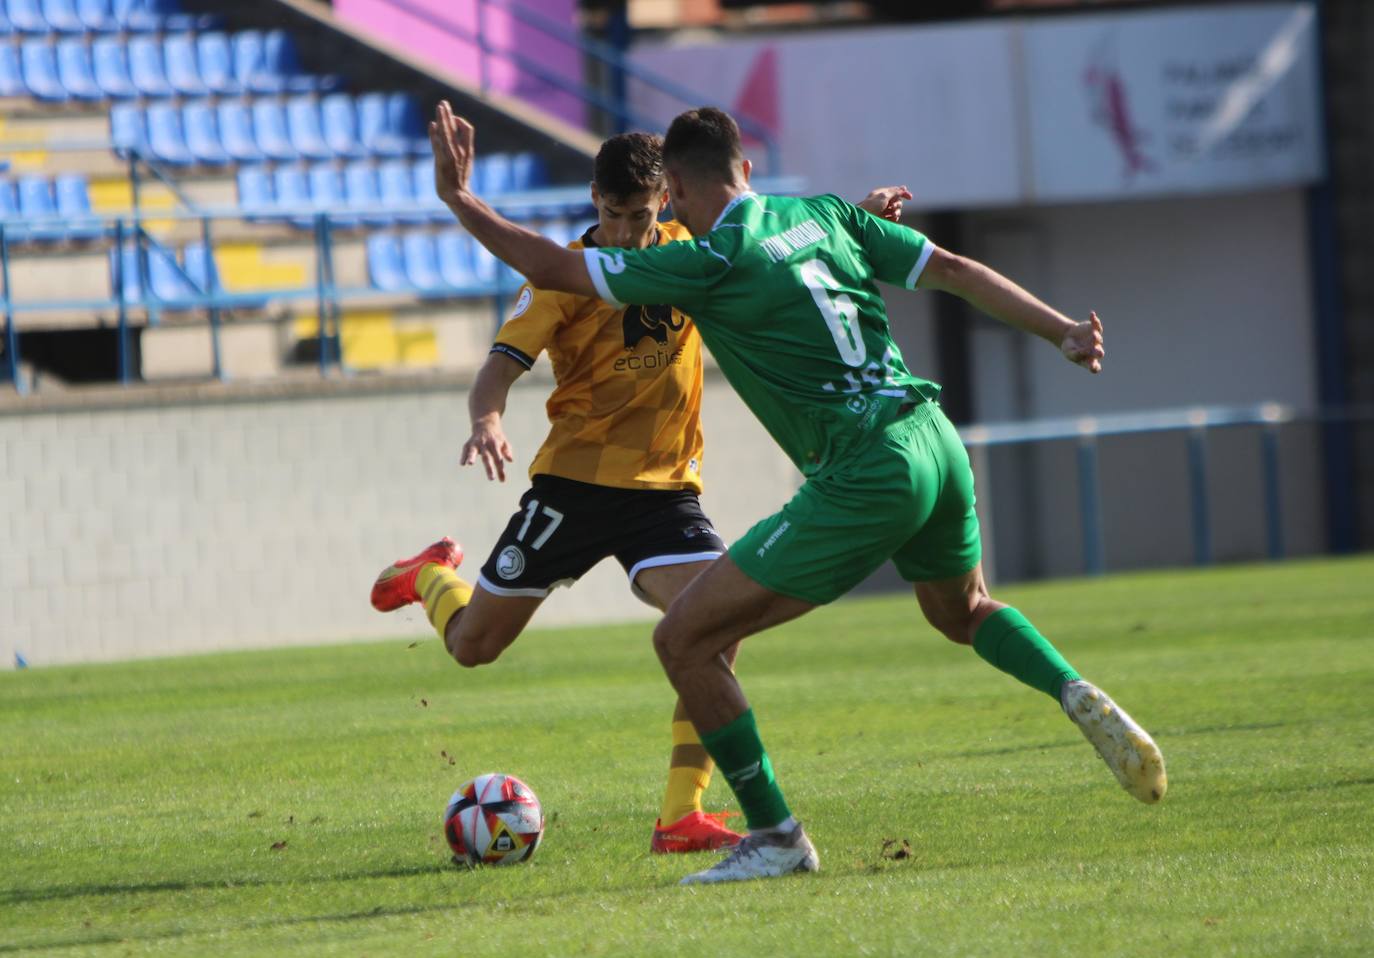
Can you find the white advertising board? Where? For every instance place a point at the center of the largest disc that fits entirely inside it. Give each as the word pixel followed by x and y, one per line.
pixel 1170 102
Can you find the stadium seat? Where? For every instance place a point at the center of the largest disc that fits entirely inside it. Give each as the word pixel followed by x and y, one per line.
pixel 170 285
pixel 303 128
pixel 36 201
pixel 11 77
pixel 455 258
pixel 397 191
pixel 145 67
pixel 171 19
pixel 236 132
pixel 361 192
pixel 62 16
pixel 561 231
pixel 73 197
pixel 373 126
pixel 269 129
pixel 39 63
pixel 293 192
pixel 528 171
pixel 96 16
pixel 385 266
pixel 248 58
pixel 26 16
pixel 6 28
pixel 166 140
pixel 405 123
pixel 339 120
pixel 489 269
pixel 128 132
pixel 131 282
pixel 422 261
pixel 183 73
pixel 496 174
pixel 327 194
pixel 198 261
pixel 216 61
pixel 74 70
pixel 111 63
pixel 134 16
pixel 422 176
pixel 202 133
pixel 255 189
pixel 9 210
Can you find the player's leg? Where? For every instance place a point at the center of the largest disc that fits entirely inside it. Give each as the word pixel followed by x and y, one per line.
pixel 683 824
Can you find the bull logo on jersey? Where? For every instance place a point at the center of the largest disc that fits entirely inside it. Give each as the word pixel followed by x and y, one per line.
pixel 651 321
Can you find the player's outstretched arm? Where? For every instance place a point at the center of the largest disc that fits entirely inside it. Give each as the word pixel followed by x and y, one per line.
pixel 885 201
pixel 1000 298
pixel 486 405
pixel 541 261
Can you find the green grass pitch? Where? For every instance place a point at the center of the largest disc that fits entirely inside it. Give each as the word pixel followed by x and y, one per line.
pixel 288 802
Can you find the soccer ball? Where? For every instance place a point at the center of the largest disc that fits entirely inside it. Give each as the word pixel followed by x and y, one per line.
pixel 493 820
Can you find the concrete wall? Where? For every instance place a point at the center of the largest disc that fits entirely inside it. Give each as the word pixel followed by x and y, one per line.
pixel 234 522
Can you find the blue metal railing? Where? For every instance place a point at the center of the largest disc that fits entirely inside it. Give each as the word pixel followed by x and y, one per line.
pixel 614 103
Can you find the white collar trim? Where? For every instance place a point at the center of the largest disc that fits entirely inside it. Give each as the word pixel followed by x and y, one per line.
pixel 746 195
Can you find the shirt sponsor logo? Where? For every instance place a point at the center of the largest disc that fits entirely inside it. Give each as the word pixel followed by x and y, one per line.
pixel 510 563
pixel 777 534
pixel 523 303
pixel 654 322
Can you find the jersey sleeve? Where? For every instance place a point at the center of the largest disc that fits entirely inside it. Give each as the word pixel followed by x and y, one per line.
pixel 681 274
pixel 896 253
pixel 531 326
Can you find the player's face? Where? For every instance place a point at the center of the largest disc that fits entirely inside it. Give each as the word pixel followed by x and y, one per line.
pixel 628 221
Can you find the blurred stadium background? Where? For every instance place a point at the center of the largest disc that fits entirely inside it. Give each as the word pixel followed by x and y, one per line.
pixel 238 328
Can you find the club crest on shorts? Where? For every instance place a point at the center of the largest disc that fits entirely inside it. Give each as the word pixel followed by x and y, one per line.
pixel 510 563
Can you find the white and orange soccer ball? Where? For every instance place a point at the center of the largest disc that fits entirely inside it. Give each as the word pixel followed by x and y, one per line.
pixel 493 819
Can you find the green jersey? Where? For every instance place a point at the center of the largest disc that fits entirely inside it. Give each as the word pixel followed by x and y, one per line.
pixel 783 291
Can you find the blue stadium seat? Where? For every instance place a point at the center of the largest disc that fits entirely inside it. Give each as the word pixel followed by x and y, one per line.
pixel 96 16
pixel 282 60
pixel 374 126
pixel 303 127
pixel 183 73
pixel 11 78
pixel 397 190
pixel 422 176
pixel 145 67
pixel 528 171
pixel 293 192
pixel 422 261
pixel 496 174
pixel 74 201
pixel 74 70
pixel 26 16
pixel 405 123
pixel 361 192
pixel 385 265
pixel 202 133
pixel 198 261
pixel 39 63
pixel 127 257
pixel 111 63
pixel 9 210
pixel 327 194
pixel 169 283
pixel 561 231
pixel 248 59
pixel 236 132
pixel 62 16
pixel 171 19
pixel 6 28
pixel 269 129
pixel 255 189
pixel 128 133
pixel 455 258
pixel 489 269
pixel 166 140
pixel 339 119
pixel 134 16
pixel 216 61
pixel 36 200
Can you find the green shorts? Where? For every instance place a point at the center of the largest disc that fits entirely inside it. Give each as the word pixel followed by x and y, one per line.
pixel 906 496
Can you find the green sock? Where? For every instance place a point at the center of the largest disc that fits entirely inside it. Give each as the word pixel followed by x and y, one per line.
pixel 739 755
pixel 1007 641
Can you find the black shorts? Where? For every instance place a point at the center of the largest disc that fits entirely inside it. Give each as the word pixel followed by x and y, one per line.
pixel 563 528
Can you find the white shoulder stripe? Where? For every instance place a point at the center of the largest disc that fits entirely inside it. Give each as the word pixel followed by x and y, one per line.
pixel 926 251
pixel 706 245
pixel 592 258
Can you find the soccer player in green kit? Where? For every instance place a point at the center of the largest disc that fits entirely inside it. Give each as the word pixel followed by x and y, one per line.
pixel 783 291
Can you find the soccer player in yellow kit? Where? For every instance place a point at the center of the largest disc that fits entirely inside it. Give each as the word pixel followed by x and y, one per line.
pixel 619 474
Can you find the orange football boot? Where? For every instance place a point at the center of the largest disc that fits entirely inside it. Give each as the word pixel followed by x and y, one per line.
pixel 697 832
pixel 395 587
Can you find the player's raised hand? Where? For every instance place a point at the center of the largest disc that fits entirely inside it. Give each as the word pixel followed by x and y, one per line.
pixel 1082 344
pixel 488 443
pixel 886 201
pixel 451 137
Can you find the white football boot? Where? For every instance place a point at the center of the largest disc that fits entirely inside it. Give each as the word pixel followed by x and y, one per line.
pixel 1128 750
pixel 762 855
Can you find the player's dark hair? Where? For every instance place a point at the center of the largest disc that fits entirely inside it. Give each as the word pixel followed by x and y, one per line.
pixel 704 141
pixel 630 164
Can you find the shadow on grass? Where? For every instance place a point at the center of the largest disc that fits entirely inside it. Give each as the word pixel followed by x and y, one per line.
pixel 20 896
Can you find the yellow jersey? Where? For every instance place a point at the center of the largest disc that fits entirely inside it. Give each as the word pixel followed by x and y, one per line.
pixel 626 408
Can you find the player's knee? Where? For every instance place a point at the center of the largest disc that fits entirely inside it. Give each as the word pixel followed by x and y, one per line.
pixel 953 624
pixel 471 651
pixel 672 645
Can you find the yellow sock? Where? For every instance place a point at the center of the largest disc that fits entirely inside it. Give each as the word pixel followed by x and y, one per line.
pixel 689 770
pixel 444 594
